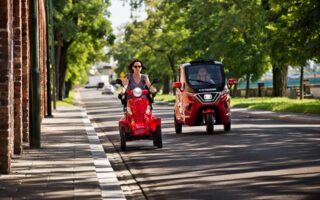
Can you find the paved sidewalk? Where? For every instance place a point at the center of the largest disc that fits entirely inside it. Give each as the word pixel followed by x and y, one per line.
pixel 68 165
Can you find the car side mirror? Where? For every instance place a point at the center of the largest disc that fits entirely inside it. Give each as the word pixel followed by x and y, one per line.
pixel 232 81
pixel 119 81
pixel 177 85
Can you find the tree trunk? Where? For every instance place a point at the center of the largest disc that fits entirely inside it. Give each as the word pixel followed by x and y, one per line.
pixel 62 70
pixel 302 83
pixel 167 78
pixel 280 80
pixel 166 84
pixel 233 91
pixel 61 63
pixel 57 64
pixel 247 85
pixel 68 87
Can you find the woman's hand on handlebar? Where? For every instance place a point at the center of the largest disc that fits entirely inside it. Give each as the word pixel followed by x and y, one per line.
pixel 153 90
pixel 120 95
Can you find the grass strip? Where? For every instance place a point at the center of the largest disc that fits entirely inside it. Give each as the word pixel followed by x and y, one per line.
pixel 69 101
pixel 307 106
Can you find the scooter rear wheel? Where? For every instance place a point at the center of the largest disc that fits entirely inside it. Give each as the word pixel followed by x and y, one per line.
pixel 123 142
pixel 177 126
pixel 210 125
pixel 158 135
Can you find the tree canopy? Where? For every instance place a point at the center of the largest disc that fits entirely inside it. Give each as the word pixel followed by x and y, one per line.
pixel 249 36
pixel 81 30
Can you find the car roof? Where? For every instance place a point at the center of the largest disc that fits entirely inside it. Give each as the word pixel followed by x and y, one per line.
pixel 201 62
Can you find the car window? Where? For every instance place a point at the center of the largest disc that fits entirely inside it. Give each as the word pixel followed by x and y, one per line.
pixel 204 75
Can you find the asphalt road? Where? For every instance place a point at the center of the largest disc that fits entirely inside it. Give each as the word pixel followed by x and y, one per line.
pixel 257 159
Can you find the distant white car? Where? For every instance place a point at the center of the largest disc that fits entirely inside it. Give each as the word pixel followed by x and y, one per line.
pixel 94 81
pixel 108 89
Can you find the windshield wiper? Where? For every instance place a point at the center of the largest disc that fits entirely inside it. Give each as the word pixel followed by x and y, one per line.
pixel 201 81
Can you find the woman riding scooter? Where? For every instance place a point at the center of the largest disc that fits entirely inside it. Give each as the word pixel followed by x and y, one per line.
pixel 136 79
pixel 138 122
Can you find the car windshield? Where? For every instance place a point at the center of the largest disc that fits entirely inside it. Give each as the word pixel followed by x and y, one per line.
pixel 205 76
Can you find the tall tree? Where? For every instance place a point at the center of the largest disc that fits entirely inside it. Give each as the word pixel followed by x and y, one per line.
pixel 303 32
pixel 155 40
pixel 231 32
pixel 291 36
pixel 81 31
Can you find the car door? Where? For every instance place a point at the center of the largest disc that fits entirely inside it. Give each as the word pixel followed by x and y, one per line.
pixel 178 105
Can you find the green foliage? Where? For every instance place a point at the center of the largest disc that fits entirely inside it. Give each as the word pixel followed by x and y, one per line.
pixel 178 31
pixel 304 27
pixel 165 97
pixel 83 26
pixel 154 40
pixel 229 34
pixel 248 36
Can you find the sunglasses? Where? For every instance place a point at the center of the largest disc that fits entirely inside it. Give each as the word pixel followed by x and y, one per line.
pixel 137 66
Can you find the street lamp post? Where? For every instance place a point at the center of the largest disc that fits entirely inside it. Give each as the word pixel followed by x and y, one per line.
pixel 34 81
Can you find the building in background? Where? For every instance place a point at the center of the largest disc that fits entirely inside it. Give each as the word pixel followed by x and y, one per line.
pixel 264 85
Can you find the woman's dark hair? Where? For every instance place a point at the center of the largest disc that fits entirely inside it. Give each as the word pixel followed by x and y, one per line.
pixel 132 63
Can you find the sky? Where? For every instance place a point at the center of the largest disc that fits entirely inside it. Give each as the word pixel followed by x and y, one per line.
pixel 120 14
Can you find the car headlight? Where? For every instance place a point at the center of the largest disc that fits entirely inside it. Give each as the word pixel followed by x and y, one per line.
pixel 137 92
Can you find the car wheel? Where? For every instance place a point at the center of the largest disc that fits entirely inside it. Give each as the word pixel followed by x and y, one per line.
pixel 227 127
pixel 177 126
pixel 154 139
pixel 210 125
pixel 154 142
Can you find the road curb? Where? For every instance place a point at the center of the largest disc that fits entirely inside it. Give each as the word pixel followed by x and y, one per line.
pixel 282 116
pixel 108 181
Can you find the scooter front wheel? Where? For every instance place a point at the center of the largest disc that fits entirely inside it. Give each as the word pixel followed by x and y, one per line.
pixel 158 137
pixel 123 141
pixel 210 123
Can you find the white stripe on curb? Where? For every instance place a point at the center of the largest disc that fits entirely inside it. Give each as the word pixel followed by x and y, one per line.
pixel 109 184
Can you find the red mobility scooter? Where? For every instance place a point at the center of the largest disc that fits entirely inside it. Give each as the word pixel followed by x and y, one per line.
pixel 202 97
pixel 138 122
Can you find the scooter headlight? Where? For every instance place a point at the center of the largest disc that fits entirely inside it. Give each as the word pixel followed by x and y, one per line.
pixel 137 92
